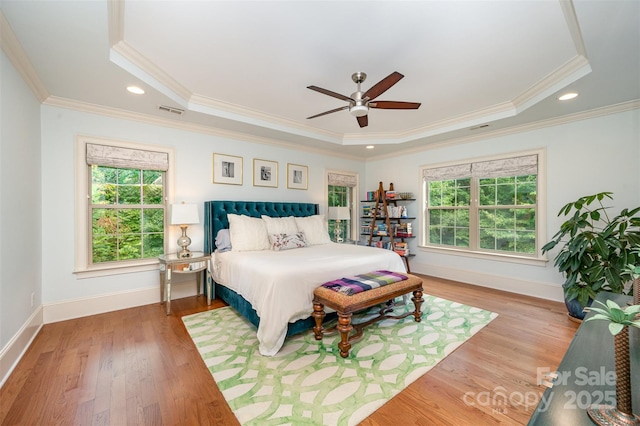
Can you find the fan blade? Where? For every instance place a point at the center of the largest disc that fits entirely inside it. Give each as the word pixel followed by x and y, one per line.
pixel 363 121
pixel 383 85
pixel 394 105
pixel 330 93
pixel 329 112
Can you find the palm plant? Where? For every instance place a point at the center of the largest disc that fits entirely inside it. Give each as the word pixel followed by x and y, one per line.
pixel 619 322
pixel 595 247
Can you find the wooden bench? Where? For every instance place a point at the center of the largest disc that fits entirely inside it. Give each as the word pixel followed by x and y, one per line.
pixel 346 305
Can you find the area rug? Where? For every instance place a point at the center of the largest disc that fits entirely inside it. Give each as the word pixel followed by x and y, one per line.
pixel 308 383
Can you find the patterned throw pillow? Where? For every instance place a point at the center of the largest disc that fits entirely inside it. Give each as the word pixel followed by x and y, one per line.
pixel 287 241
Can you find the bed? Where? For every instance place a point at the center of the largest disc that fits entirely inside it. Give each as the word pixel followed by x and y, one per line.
pixel 272 288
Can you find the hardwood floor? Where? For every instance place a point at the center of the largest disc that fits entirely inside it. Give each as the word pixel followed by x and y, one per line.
pixel 139 366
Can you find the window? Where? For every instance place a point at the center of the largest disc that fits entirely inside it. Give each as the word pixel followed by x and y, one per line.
pixel 341 189
pixel 127 213
pixel 484 207
pixel 121 193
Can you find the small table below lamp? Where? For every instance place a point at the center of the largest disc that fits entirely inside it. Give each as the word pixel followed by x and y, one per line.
pixel 183 215
pixel 339 214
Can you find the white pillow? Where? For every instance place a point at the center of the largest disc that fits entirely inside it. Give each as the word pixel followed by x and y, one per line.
pixel 280 225
pixel 314 228
pixel 248 233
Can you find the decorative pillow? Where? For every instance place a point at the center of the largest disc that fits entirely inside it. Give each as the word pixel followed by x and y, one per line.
pixel 287 241
pixel 314 228
pixel 280 225
pixel 248 233
pixel 223 240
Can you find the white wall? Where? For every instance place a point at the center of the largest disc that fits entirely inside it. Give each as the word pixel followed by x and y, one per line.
pixel 583 157
pixel 193 183
pixel 20 215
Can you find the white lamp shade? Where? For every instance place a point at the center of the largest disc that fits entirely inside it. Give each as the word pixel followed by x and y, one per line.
pixel 339 213
pixel 184 214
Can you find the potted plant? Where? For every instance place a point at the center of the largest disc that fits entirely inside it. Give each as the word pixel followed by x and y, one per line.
pixel 595 249
pixel 633 271
pixel 619 322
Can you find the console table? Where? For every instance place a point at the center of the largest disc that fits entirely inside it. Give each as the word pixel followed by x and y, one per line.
pixel 172 263
pixel 586 374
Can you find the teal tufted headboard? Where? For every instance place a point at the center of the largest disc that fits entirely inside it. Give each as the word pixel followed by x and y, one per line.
pixel 215 214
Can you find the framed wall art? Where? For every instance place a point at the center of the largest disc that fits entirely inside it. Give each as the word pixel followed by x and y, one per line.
pixel 265 173
pixel 227 169
pixel 297 176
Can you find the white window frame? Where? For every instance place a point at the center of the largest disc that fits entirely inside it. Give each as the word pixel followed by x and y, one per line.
pixel 355 206
pixel 538 258
pixel 83 269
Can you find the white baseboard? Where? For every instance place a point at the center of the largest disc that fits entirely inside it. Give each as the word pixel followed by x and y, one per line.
pixel 538 289
pixel 12 353
pixel 78 308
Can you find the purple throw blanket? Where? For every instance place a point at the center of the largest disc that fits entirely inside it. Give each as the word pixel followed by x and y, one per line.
pixel 363 282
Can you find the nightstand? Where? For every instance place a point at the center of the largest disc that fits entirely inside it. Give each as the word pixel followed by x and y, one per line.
pixel 172 264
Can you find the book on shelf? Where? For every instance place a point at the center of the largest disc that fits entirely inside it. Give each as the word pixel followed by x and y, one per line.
pixel 367 210
pixel 365 227
pixel 401 248
pixel 404 230
pixel 380 229
pixel 383 245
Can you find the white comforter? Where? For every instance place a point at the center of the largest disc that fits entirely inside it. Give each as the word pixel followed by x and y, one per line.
pixel 279 284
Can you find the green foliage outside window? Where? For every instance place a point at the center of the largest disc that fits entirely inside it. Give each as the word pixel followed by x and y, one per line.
pixel 505 213
pixel 340 196
pixel 127 214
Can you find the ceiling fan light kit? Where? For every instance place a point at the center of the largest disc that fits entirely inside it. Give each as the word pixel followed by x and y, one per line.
pixel 359 103
pixel 359 110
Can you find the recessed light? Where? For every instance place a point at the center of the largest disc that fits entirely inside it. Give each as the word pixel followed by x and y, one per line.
pixel 370 147
pixel 567 96
pixel 136 90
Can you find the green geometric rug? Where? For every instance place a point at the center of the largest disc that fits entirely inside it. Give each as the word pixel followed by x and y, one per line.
pixel 308 383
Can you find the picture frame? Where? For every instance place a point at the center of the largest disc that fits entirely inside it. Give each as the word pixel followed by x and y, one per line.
pixel 297 176
pixel 265 173
pixel 227 169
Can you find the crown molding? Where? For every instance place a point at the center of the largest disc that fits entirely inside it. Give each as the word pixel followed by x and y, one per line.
pixel 16 54
pixel 556 121
pixel 179 125
pixel 115 21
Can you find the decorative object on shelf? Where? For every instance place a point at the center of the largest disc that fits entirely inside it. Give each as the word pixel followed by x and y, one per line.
pixel 339 214
pixel 227 169
pixel 183 215
pixel 619 322
pixel 265 173
pixel 595 249
pixel 297 176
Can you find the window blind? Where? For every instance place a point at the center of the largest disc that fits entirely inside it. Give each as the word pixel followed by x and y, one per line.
pixel 515 166
pixel 339 179
pixel 114 156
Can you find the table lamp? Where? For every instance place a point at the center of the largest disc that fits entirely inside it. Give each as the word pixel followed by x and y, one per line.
pixel 183 215
pixel 339 214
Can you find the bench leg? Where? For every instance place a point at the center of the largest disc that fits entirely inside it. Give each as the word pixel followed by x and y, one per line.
pixel 318 314
pixel 417 302
pixel 344 327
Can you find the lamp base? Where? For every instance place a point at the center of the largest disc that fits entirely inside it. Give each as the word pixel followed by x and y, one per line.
pixel 184 241
pixel 337 232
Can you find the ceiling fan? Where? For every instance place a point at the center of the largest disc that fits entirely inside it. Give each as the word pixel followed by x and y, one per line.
pixel 359 103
